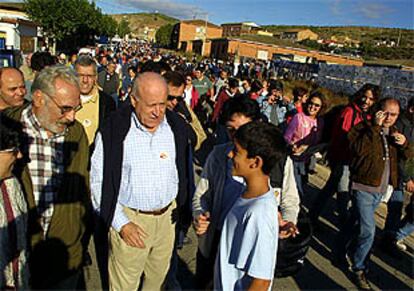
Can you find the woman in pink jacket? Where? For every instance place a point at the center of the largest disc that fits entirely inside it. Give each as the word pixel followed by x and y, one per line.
pixel 303 132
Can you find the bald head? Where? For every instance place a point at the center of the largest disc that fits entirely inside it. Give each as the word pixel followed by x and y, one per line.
pixel 12 88
pixel 149 82
pixel 149 98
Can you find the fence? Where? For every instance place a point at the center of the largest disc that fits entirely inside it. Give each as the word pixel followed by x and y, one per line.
pixel 348 79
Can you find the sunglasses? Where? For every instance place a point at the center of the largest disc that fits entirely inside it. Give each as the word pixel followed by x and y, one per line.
pixel 65 109
pixel 178 98
pixel 314 104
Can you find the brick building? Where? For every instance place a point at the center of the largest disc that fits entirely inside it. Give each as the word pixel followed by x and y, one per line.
pixel 299 34
pixel 194 30
pixel 226 47
pixel 237 29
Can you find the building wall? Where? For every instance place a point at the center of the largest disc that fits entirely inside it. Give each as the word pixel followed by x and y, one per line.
pixel 194 32
pixel 13 14
pixel 299 35
pixel 306 34
pixel 207 48
pixel 232 30
pixel 253 50
pixel 12 37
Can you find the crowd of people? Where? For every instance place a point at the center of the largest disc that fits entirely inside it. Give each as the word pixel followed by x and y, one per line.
pixel 104 147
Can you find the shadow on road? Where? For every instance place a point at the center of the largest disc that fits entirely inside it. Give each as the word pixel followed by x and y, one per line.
pixel 312 278
pixel 324 240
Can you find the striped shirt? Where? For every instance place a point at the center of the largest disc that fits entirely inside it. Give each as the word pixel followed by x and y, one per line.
pixel 149 179
pixel 46 164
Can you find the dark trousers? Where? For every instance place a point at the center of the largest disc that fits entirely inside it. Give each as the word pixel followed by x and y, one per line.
pixel 205 265
pixel 100 239
pixel 327 192
pixel 73 281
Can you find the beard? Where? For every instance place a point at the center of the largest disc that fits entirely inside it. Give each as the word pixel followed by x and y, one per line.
pixel 55 127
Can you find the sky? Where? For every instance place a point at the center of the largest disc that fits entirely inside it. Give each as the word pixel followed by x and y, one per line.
pixel 378 13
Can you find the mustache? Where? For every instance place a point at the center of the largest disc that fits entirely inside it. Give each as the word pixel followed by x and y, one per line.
pixel 65 122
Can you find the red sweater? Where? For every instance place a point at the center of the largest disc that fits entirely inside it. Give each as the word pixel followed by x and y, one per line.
pixel 350 116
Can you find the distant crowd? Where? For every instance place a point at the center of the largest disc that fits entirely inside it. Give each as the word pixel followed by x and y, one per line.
pixel 130 148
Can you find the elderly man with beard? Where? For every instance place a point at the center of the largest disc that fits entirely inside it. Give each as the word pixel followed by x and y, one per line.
pixel 54 176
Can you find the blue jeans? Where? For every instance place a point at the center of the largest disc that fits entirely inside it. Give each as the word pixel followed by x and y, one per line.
pixel 405 230
pixel 364 205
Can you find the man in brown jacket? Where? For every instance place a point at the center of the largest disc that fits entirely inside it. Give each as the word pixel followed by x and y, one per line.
pixel 375 148
pixel 55 180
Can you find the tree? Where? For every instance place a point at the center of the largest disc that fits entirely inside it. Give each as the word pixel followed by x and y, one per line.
pixel 56 17
pixel 164 35
pixel 74 20
pixel 123 28
pixel 108 26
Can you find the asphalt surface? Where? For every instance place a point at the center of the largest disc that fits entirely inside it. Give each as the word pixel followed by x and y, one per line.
pixel 387 272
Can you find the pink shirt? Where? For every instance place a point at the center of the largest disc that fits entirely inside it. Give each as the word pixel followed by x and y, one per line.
pixel 304 130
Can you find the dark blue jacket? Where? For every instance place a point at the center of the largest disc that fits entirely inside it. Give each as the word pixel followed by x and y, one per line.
pixel 113 134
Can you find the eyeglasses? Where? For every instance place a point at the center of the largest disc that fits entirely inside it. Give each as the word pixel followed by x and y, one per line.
pixel 171 98
pixel 391 114
pixel 13 150
pixel 314 104
pixel 81 76
pixel 188 80
pixel 65 109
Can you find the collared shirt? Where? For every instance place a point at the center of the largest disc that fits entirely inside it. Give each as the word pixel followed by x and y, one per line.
pixel 46 164
pixel 202 85
pixel 149 178
pixel 88 116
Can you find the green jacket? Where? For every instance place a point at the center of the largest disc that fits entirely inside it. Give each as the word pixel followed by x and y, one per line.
pixel 368 155
pixel 66 239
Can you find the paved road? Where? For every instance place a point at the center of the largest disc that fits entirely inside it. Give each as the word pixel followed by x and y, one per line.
pixel 386 272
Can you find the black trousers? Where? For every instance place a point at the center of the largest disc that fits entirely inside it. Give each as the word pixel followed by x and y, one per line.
pixel 205 265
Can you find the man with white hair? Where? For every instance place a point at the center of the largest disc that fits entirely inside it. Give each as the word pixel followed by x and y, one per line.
pixel 140 185
pixel 54 176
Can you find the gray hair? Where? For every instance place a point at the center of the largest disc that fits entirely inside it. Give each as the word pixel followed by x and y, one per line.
pixel 86 61
pixel 46 79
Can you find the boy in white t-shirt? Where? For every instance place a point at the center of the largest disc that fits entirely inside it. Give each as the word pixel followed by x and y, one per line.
pixel 246 257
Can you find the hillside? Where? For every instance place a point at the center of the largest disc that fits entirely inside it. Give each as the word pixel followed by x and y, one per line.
pixel 401 52
pixel 359 33
pixel 137 21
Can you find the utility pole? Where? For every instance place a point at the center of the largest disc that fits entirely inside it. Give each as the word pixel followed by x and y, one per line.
pixel 399 38
pixel 205 35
